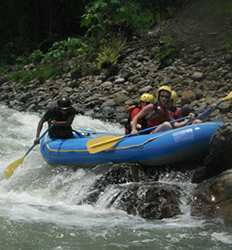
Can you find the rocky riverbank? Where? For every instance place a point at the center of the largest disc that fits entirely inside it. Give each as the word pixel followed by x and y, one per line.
pixel 207 75
pixel 200 70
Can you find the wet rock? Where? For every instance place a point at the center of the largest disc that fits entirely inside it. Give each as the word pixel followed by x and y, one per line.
pixel 111 174
pixel 149 200
pixel 197 76
pixel 219 158
pixel 213 198
pixel 146 89
pixel 119 80
pixel 146 198
pixel 228 58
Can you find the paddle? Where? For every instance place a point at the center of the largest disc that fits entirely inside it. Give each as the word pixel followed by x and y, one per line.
pixel 106 142
pixel 12 166
pixel 209 110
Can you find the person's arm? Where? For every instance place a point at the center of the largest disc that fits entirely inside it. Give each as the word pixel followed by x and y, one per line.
pixel 71 118
pixel 139 116
pixel 185 122
pixel 133 114
pixel 38 130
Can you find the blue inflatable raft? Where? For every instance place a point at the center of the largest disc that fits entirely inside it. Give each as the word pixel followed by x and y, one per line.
pixel 151 149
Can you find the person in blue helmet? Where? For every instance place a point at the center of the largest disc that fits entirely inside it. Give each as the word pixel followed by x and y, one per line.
pixel 59 119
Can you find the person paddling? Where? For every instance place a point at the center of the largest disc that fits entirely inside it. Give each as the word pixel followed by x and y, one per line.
pixel 155 114
pixel 176 113
pixel 59 119
pixel 134 109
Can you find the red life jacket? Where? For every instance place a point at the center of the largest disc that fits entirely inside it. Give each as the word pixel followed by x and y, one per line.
pixel 133 111
pixel 158 116
pixel 176 113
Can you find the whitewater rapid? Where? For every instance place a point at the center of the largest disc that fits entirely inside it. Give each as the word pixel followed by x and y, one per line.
pixel 42 207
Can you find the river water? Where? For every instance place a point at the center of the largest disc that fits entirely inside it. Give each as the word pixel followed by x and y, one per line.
pixel 38 204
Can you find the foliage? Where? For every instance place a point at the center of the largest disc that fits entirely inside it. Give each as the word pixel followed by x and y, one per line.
pixel 103 15
pixel 65 49
pixel 228 45
pixel 166 52
pixel 42 73
pixel 47 65
pixel 36 56
pixel 57 20
pixel 62 22
pixel 84 69
pixel 109 53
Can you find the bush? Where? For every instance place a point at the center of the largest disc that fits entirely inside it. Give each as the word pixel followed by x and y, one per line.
pixel 42 73
pixel 228 45
pixel 166 52
pixel 109 53
pixel 66 49
pixel 103 15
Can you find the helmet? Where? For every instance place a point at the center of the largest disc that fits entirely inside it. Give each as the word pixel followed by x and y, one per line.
pixel 146 97
pixel 165 88
pixel 64 103
pixel 174 97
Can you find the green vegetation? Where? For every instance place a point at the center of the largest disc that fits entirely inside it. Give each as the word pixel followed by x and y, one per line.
pixel 108 16
pixel 41 73
pixel 50 64
pixel 228 45
pixel 166 52
pixel 41 38
pixel 109 53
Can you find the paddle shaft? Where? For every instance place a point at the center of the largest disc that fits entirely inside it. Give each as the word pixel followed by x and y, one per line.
pixel 104 143
pixel 154 127
pixel 209 110
pixel 9 171
pixel 139 132
pixel 30 149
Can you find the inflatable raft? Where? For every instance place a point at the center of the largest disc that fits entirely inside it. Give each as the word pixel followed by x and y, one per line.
pixel 151 149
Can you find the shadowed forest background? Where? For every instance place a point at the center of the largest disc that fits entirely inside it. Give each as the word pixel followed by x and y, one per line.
pixel 48 34
pixel 30 25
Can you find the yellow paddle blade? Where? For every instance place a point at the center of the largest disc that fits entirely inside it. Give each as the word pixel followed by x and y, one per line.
pixel 102 143
pixel 12 167
pixel 229 96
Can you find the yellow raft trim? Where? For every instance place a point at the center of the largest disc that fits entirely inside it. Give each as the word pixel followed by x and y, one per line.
pixel 111 149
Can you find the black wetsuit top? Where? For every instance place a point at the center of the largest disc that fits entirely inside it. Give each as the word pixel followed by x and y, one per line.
pixel 57 114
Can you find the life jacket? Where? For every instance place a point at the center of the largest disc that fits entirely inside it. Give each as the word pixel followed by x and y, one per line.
pixel 179 112
pixel 176 112
pixel 60 131
pixel 157 116
pixel 133 111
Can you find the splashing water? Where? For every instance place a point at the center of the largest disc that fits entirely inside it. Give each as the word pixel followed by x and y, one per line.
pixel 43 207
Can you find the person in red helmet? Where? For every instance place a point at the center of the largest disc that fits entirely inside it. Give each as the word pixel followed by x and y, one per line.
pixel 59 119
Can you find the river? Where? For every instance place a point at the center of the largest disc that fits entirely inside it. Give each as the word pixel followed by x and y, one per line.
pixel 38 204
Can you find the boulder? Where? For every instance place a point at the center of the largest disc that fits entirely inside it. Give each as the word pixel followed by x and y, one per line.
pixel 213 198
